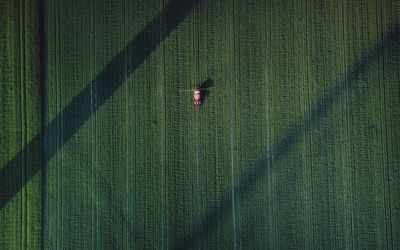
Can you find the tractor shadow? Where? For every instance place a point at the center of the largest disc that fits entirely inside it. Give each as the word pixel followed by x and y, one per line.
pixel 205 89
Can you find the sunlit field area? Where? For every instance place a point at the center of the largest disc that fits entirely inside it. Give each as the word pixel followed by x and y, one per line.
pixel 292 144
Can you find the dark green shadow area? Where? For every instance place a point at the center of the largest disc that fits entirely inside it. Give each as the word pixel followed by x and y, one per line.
pixel 319 111
pixel 105 83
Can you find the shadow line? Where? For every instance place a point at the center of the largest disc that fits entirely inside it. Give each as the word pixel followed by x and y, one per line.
pixel 317 112
pixel 80 109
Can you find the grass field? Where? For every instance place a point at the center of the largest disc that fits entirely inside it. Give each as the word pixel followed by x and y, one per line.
pixel 295 147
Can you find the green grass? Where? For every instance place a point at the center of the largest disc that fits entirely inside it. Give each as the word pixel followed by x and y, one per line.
pixel 295 147
pixel 19 122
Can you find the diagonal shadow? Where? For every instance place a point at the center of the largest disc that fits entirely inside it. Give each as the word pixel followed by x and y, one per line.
pixel 105 83
pixel 319 111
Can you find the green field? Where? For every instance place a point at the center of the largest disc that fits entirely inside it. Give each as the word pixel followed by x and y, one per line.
pixel 295 147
